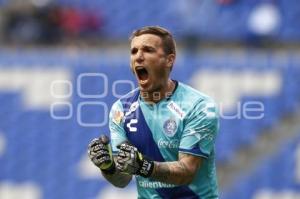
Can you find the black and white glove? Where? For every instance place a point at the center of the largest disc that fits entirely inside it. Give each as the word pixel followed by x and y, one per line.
pixel 132 162
pixel 100 153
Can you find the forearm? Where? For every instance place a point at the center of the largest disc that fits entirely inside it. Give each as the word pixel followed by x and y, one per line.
pixel 172 172
pixel 118 179
pixel 179 172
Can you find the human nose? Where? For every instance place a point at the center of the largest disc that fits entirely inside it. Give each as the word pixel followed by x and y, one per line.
pixel 139 56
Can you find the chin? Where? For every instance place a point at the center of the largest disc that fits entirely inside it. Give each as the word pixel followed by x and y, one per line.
pixel 144 89
pixel 147 88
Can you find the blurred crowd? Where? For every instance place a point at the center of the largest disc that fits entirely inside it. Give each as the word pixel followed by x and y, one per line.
pixel 54 22
pixel 30 22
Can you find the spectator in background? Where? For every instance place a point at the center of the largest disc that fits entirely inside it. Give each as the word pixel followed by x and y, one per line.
pixel 76 23
pixel 49 24
pixel 27 24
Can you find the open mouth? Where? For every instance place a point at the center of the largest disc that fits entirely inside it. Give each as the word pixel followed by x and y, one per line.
pixel 142 73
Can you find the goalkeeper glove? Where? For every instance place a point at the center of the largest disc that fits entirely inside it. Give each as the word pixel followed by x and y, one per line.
pixel 99 151
pixel 131 161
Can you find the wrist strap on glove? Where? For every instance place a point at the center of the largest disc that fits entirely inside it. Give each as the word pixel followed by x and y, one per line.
pixel 146 166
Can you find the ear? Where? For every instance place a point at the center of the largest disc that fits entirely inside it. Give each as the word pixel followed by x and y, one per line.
pixel 170 60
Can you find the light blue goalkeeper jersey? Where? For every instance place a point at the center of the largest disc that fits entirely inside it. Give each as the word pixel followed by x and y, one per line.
pixel 185 122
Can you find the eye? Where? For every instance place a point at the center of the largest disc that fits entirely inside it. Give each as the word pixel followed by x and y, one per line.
pixel 134 51
pixel 149 49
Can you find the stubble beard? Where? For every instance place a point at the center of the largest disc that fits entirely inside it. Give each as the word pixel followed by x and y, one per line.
pixel 154 93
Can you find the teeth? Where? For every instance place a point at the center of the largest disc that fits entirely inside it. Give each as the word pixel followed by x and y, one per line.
pixel 139 67
pixel 143 81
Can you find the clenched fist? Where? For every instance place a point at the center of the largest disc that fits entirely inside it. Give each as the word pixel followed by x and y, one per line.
pixel 131 161
pixel 99 151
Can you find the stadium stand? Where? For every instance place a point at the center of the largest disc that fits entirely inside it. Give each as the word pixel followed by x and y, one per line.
pixel 213 26
pixel 210 26
pixel 275 177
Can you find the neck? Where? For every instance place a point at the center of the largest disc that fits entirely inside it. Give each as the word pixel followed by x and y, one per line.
pixel 160 94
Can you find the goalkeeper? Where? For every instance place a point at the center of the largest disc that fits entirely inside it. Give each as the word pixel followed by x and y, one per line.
pixel 163 132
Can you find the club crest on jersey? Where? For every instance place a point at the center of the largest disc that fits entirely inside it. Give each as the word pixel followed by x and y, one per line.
pixel 170 127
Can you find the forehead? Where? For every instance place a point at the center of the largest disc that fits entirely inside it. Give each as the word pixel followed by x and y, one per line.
pixel 146 40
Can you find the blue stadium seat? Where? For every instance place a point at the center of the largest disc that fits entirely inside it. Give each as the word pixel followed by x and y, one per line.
pixel 276 172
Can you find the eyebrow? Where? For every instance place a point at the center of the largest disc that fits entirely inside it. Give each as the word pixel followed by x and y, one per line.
pixel 144 46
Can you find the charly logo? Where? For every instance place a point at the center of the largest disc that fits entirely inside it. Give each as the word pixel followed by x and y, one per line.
pixel 170 127
pixel 131 125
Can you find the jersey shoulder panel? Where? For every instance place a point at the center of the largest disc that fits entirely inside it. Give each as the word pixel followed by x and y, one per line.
pixel 192 94
pixel 189 97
